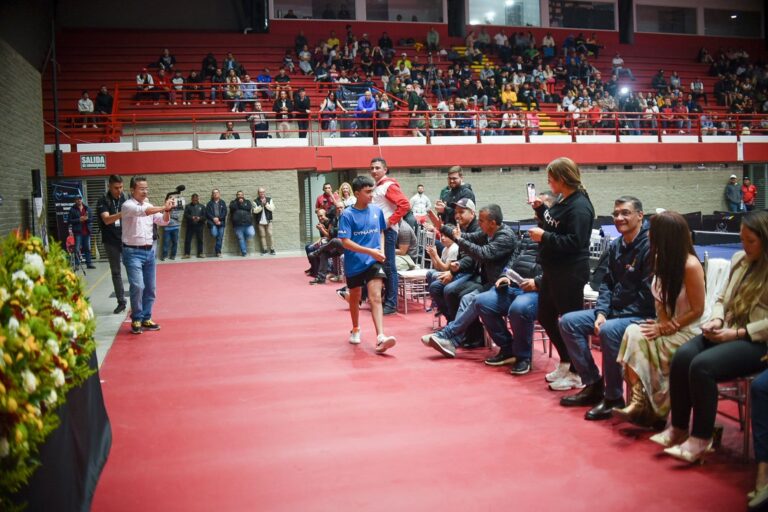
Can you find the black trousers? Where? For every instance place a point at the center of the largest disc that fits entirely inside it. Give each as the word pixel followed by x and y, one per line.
pixel 303 126
pixel 696 369
pixel 562 291
pixel 195 230
pixel 319 258
pixel 114 255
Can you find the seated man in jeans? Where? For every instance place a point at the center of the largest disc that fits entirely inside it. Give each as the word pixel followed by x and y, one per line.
pixel 516 300
pixel 490 248
pixel 328 246
pixel 445 284
pixel 624 297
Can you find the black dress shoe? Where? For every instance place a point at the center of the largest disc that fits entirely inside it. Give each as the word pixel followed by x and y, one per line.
pixel 590 395
pixel 471 345
pixel 500 359
pixel 120 308
pixel 604 409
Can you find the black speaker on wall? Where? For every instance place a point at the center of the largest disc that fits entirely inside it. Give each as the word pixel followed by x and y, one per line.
pixel 37 186
pixel 626 22
pixel 457 18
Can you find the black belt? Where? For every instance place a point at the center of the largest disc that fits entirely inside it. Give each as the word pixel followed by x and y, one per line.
pixel 143 247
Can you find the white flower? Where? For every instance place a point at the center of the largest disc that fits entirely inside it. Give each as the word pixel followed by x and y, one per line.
pixel 5 447
pixel 4 295
pixel 13 325
pixel 53 346
pixel 62 308
pixel 51 398
pixel 34 265
pixel 59 324
pixel 2 360
pixel 29 380
pixel 23 278
pixel 58 377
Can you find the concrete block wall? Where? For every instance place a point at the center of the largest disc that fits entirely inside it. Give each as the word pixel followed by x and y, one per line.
pixel 21 139
pixel 281 186
pixel 685 190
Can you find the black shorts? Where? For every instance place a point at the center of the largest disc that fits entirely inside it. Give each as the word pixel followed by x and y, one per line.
pixel 375 271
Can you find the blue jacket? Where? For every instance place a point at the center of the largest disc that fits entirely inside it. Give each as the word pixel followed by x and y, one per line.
pixel 74 219
pixel 626 287
pixel 365 108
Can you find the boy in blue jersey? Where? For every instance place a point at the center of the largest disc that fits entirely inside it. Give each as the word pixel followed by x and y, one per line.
pixel 361 231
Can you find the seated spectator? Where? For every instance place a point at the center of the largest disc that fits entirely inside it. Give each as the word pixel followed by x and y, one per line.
pixel 433 40
pixel 697 90
pixel 515 299
pixel 329 109
pixel 264 79
pixel 659 82
pixel 218 82
pixel 624 297
pixel 323 227
pixel 85 109
pixel 230 133
pixel 282 81
pixel 145 86
pixel 164 87
pixel 404 60
pixel 166 61
pixel 305 63
pixel 732 344
pixel 708 126
pixel 104 102
pixel 332 40
pixel 385 42
pixel 258 122
pixel 329 246
pixel 366 106
pixel 194 85
pixel 300 42
pixel 442 262
pixel 230 64
pixel 248 90
pixel 233 92
pixel 290 15
pixel 647 348
pixel 209 67
pixel 618 67
pixel 178 88
pixel 490 249
pixel 406 249
pixel 288 62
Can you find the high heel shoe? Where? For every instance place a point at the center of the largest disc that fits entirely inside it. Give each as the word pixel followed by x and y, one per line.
pixel 669 437
pixel 693 450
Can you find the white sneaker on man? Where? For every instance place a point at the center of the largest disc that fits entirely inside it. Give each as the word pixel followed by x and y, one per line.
pixel 354 337
pixel 425 339
pixel 384 342
pixel 570 381
pixel 560 372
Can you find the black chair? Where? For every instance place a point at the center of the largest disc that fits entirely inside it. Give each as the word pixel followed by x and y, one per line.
pixel 694 221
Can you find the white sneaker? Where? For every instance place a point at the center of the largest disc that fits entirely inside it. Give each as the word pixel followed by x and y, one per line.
pixel 354 337
pixel 560 372
pixel 570 381
pixel 384 342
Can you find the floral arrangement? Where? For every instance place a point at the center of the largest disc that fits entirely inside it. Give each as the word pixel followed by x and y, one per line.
pixel 46 341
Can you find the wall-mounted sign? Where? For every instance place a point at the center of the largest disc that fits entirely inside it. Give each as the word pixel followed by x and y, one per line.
pixel 93 162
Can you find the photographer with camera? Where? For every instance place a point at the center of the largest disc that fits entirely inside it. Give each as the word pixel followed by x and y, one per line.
pixel 138 218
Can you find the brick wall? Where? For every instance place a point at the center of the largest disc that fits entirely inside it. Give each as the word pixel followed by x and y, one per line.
pixel 685 190
pixel 281 186
pixel 21 139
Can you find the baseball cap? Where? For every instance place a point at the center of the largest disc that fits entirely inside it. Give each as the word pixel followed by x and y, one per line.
pixel 465 203
pixel 745 178
pixel 733 176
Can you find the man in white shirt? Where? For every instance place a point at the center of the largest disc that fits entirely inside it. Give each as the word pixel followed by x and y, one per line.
pixel 138 217
pixel 420 203
pixel 85 108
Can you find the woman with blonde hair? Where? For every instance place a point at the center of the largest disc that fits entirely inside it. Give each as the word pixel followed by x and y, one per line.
pixel 647 349
pixel 345 194
pixel 563 238
pixel 732 344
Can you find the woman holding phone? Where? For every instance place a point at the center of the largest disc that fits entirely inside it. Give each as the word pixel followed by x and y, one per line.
pixel 732 344
pixel 647 349
pixel 566 227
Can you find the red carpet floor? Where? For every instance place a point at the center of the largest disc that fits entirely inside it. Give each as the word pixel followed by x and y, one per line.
pixel 250 398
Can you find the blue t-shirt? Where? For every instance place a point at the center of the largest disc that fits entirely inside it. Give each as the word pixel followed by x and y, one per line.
pixel 363 227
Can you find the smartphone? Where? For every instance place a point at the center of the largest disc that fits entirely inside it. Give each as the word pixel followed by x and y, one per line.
pixel 531 190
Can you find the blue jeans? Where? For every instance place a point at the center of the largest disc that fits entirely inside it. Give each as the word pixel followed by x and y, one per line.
pixel 243 233
pixel 140 267
pixel 734 207
pixel 217 232
pixel 575 328
pixel 520 307
pixel 467 313
pixel 760 416
pixel 390 268
pixel 170 242
pixel 83 247
pixel 437 291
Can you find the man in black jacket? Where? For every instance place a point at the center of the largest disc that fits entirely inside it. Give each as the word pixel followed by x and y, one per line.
pixel 457 191
pixel 194 215
pixel 241 213
pixel 490 249
pixel 301 109
pixel 108 209
pixel 216 215
pixel 624 297
pixel 514 297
